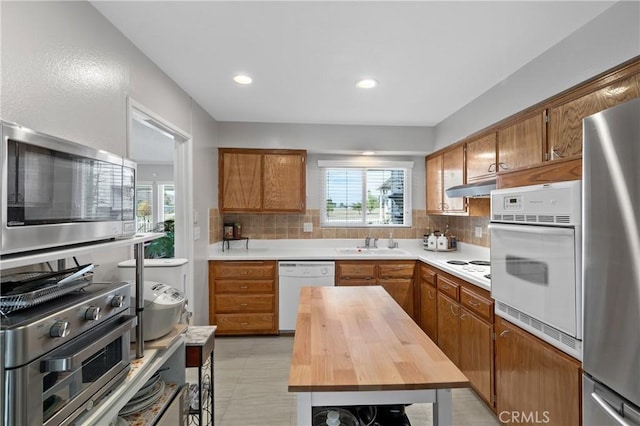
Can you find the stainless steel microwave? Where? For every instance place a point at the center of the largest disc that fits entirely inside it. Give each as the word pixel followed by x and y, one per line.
pixel 56 192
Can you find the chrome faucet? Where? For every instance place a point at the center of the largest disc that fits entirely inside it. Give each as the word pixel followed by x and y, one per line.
pixel 367 242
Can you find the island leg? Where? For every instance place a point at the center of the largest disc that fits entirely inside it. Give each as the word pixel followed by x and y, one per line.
pixel 304 409
pixel 442 408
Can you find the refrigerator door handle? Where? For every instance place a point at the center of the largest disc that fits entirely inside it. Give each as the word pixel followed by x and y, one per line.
pixel 609 410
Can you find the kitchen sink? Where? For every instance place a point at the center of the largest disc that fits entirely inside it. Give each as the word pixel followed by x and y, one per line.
pixel 372 251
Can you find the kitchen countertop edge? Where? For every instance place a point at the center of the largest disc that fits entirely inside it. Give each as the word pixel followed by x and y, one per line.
pixel 316 250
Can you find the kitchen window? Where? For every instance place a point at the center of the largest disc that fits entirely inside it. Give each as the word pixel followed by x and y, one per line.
pixel 357 194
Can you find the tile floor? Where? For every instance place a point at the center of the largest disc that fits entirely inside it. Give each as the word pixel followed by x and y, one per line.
pixel 251 375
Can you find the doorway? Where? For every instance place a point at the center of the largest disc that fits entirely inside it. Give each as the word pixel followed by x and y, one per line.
pixel 162 152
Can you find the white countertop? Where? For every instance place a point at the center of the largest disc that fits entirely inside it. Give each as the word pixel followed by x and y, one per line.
pixel 328 249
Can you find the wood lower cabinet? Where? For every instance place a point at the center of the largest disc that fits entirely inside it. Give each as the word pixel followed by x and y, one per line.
pixel 428 302
pixel 476 353
pixel 243 297
pixel 395 276
pixel 465 331
pixel 449 327
pixel 535 379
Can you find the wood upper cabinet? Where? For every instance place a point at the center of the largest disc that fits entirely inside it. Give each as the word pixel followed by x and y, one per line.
pixel 445 170
pixel 428 302
pixel 284 182
pixel 522 144
pixel 396 276
pixel 565 120
pixel 434 183
pixel 256 180
pixel 534 377
pixel 240 181
pixel 481 158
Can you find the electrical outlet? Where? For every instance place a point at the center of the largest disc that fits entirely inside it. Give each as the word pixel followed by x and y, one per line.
pixel 307 227
pixel 478 231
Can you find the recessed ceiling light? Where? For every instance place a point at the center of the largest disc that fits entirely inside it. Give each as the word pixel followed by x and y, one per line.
pixel 366 83
pixel 242 79
pixel 368 153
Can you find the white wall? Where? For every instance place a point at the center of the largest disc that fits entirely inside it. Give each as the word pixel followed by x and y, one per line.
pixel 327 138
pixel 67 71
pixel 610 39
pixel 155 172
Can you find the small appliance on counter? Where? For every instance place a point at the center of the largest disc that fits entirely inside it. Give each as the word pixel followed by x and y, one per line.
pixel 163 307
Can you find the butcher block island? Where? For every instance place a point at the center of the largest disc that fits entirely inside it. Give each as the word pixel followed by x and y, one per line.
pixel 357 346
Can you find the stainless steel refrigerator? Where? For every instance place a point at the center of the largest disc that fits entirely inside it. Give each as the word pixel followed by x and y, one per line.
pixel 611 275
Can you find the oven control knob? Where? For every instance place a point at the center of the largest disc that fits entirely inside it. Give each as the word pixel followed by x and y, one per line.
pixel 92 313
pixel 117 301
pixel 60 329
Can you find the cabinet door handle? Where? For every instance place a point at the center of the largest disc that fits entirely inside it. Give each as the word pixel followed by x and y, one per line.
pixel 504 333
pixel 474 304
pixel 491 166
pixel 445 287
pixel 431 296
pixel 244 323
pixel 244 287
pixel 453 311
pixel 243 304
pixel 504 166
pixel 462 315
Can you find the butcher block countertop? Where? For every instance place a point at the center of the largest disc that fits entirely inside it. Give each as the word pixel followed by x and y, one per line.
pixel 360 339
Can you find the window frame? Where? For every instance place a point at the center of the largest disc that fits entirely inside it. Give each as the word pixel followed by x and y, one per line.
pixel 405 166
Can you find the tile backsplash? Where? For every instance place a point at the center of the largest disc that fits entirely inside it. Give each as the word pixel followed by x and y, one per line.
pixel 290 226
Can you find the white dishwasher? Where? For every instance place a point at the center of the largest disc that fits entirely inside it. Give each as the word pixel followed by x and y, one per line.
pixel 292 276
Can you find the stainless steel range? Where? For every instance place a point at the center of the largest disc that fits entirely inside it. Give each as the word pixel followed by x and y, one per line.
pixel 60 357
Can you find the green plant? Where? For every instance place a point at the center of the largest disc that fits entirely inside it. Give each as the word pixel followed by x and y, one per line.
pixel 162 247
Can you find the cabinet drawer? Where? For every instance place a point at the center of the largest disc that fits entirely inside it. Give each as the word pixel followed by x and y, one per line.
pixel 355 281
pixel 356 270
pixel 448 287
pixel 478 304
pixel 245 286
pixel 428 275
pixel 240 323
pixel 398 270
pixel 245 270
pixel 230 303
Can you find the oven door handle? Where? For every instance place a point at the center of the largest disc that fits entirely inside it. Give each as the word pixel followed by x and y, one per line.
pixel 73 361
pixel 556 230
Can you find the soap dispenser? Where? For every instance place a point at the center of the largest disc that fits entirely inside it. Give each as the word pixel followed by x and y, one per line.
pixel 392 244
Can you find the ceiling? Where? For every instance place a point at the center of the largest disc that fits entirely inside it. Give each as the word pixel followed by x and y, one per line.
pixel 430 58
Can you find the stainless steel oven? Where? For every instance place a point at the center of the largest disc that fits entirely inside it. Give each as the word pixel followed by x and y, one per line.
pixel 61 357
pixel 536 261
pixel 59 192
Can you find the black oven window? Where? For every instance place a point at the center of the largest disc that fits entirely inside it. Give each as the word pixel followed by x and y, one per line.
pixel 530 270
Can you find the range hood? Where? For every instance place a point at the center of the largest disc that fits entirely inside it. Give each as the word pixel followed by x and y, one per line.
pixel 474 190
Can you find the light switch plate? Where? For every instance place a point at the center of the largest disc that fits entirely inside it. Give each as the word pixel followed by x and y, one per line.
pixel 478 231
pixel 196 233
pixel 307 227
